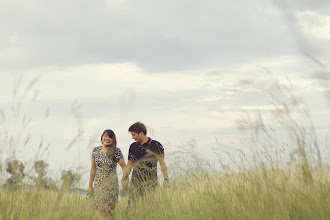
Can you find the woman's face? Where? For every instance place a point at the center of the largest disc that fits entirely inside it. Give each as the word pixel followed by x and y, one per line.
pixel 106 140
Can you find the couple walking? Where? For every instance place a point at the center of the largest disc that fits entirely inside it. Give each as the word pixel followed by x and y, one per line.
pixel 143 156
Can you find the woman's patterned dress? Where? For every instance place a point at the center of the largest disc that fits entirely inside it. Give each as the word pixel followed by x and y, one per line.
pixel 106 186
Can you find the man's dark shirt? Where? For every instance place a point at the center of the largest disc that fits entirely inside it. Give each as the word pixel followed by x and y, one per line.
pixel 144 159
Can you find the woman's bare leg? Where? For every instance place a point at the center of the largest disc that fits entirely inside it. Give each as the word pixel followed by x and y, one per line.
pixel 106 210
pixel 103 210
pixel 111 209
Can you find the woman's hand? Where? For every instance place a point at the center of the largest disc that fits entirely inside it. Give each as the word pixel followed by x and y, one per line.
pixel 124 183
pixel 166 183
pixel 90 190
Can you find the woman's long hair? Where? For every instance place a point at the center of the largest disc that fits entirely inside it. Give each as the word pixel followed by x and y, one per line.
pixel 112 149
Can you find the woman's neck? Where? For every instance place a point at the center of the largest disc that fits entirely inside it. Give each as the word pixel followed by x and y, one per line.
pixel 105 148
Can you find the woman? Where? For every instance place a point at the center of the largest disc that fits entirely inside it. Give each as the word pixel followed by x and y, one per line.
pixel 104 174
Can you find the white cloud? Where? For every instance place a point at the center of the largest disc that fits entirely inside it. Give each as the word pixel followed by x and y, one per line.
pixel 315 24
pixel 173 35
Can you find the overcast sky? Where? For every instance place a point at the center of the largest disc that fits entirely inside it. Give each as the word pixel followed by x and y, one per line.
pixel 187 69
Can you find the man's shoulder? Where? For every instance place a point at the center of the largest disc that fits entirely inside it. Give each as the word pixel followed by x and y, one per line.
pixel 156 144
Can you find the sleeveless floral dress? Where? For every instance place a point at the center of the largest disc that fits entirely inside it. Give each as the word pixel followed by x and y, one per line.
pixel 106 186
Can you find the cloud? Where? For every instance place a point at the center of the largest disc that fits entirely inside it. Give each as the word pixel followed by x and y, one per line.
pixel 158 37
pixel 306 5
pixel 315 24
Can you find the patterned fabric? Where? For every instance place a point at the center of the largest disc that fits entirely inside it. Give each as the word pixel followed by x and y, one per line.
pixel 106 186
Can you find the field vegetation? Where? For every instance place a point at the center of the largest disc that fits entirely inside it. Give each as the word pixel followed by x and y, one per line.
pixel 272 178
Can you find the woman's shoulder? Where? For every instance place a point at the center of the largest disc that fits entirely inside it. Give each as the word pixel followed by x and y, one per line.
pixel 97 148
pixel 118 154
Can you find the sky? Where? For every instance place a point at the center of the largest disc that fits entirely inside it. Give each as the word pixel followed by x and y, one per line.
pixel 189 70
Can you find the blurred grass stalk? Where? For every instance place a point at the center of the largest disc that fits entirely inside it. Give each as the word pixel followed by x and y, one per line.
pixel 275 182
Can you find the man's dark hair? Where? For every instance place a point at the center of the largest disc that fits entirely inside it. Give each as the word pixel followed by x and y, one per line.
pixel 138 127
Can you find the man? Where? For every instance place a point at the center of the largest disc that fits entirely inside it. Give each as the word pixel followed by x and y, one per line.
pixel 143 156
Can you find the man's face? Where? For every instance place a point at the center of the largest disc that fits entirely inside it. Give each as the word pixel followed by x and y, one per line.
pixel 137 137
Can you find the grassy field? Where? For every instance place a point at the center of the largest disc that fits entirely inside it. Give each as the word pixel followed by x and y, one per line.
pixel 258 193
pixel 292 182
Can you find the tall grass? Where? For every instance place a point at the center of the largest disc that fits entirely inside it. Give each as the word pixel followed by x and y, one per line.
pixel 259 193
pixel 274 182
pixel 40 204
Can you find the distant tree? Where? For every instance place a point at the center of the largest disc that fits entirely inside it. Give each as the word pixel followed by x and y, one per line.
pixel 51 184
pixel 1 177
pixel 40 167
pixel 42 179
pixel 70 179
pixel 16 169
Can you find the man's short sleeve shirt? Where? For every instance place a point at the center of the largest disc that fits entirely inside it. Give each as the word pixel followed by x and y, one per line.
pixel 144 158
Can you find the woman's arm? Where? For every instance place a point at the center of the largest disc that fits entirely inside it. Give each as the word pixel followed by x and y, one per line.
pixel 126 173
pixel 91 177
pixel 127 169
pixel 123 166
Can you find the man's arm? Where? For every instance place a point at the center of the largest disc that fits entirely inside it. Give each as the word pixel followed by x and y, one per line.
pixel 159 152
pixel 164 170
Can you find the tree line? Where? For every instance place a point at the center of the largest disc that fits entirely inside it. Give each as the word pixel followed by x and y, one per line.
pixel 40 179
